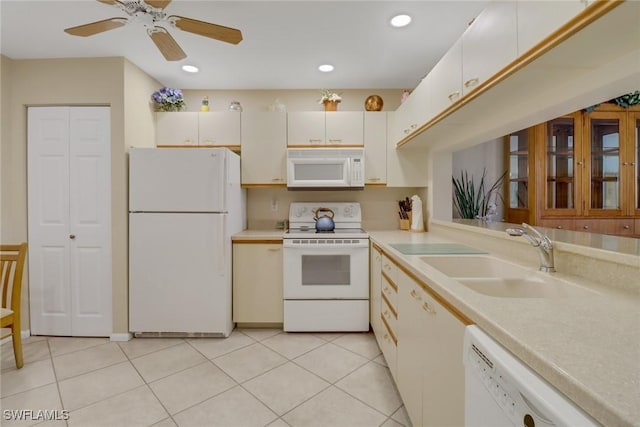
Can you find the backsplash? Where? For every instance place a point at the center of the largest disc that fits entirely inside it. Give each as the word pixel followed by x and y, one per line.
pixel 267 206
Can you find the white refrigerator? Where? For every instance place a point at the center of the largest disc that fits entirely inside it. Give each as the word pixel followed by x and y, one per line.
pixel 184 205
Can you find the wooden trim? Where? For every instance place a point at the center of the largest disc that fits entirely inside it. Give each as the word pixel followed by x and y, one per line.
pixel 388 279
pixel 577 23
pixel 376 247
pixel 263 185
pixel 377 184
pixel 256 242
pixel 391 307
pixel 327 146
pixel 388 328
pixel 236 148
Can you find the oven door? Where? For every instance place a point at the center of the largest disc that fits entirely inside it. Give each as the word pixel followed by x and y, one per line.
pixel 318 173
pixel 326 270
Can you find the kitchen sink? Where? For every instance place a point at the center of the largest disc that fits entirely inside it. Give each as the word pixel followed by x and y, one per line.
pixel 494 277
pixel 475 266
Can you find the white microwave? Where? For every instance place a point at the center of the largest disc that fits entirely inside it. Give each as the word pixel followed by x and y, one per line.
pixel 320 168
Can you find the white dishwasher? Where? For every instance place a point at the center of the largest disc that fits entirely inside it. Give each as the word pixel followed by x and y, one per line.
pixel 500 390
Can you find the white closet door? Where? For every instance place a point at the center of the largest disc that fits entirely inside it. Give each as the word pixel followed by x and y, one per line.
pixel 69 221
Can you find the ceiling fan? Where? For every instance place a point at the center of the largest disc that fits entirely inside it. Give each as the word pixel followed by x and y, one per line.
pixel 150 13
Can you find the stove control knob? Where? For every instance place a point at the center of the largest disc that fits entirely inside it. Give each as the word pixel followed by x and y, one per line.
pixel 300 211
pixel 348 211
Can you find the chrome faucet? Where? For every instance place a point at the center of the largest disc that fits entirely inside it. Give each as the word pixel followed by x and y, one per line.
pixel 539 241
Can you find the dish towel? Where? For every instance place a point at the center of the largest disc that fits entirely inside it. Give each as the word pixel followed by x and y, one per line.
pixel 417 222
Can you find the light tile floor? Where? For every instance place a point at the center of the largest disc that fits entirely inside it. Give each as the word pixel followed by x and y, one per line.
pixel 256 377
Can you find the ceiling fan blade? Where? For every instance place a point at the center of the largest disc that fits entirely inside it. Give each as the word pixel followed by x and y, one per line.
pixel 166 44
pixel 160 4
pixel 218 32
pixel 96 27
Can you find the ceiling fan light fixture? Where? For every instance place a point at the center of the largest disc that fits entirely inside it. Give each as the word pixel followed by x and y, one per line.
pixel 400 21
pixel 326 68
pixel 190 68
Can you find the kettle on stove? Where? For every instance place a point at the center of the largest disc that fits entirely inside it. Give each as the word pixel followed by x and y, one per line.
pixel 324 222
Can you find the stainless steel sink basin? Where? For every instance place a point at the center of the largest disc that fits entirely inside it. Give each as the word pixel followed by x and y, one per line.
pixel 493 277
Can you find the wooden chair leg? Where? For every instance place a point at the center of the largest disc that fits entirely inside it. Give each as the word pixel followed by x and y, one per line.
pixel 17 344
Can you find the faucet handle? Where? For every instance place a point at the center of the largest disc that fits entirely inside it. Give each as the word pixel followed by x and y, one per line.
pixel 543 239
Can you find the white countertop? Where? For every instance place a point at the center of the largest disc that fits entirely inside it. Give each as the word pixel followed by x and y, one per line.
pixel 257 235
pixel 588 346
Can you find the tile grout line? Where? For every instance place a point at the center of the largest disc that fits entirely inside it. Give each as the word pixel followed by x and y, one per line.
pixel 55 376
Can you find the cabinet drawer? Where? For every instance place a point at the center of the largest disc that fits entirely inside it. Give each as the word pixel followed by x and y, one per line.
pixel 390 269
pixel 390 293
pixel 388 346
pixel 390 315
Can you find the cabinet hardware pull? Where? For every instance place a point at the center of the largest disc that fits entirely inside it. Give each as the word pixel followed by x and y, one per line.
pixel 625 163
pixel 632 163
pixel 426 307
pixel 406 131
pixel 373 179
pixel 386 337
pixel 626 227
pixel 580 163
pixel 586 227
pixel 559 227
pixel 471 82
pixel 72 236
pixel 338 141
pixel 413 126
pixel 415 295
pixel 277 179
pixel 453 96
pixel 315 140
pixel 273 249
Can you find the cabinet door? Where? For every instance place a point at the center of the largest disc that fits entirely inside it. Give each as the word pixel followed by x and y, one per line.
pixel 375 147
pixel 520 191
pixel 344 128
pixel 445 79
pixel 264 148
pixel 306 128
pixel 443 388
pixel 414 112
pixel 603 138
pixel 406 166
pixel 489 44
pixel 632 165
pixel 375 277
pixel 538 19
pixel 219 128
pixel 179 128
pixel 257 283
pixel 411 346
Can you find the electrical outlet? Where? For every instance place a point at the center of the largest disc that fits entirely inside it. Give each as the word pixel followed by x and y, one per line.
pixel 274 205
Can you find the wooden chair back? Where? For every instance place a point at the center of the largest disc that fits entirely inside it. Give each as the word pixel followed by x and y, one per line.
pixel 12 259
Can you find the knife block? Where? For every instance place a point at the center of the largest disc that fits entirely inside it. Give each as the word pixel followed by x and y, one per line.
pixel 405 224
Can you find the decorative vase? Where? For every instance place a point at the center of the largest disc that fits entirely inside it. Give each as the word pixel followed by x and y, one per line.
pixel 330 105
pixel 373 103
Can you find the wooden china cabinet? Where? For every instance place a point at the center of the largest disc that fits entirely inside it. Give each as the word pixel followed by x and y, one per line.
pixel 577 172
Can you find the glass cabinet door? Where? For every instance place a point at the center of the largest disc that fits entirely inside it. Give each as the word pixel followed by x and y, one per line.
pixel 519 169
pixel 605 189
pixel 562 155
pixel 633 163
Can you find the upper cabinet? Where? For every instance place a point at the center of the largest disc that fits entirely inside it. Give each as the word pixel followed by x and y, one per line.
pixel 445 79
pixel 177 128
pixel 264 148
pixel 338 128
pixel 489 44
pixel 538 19
pixel 375 147
pixel 413 112
pixel 219 128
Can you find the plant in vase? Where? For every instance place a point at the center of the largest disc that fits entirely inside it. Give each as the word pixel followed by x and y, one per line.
pixel 168 99
pixel 329 99
pixel 473 202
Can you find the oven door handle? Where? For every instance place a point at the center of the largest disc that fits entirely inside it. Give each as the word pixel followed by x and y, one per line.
pixel 328 246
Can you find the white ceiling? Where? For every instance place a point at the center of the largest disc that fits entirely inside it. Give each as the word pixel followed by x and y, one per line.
pixel 284 41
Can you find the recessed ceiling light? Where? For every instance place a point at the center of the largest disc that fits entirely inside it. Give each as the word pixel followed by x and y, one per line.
pixel 190 68
pixel 326 68
pixel 400 21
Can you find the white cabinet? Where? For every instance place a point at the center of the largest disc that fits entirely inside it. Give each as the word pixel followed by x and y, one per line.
pixel 489 44
pixel 412 351
pixel 257 282
pixel 179 128
pixel 443 374
pixel 445 79
pixel 308 128
pixel 219 128
pixel 387 339
pixel 264 148
pixel 538 19
pixel 406 166
pixel 375 147
pixel 413 112
pixel 375 276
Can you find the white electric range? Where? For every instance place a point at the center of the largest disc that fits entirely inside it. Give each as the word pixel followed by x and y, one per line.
pixel 326 274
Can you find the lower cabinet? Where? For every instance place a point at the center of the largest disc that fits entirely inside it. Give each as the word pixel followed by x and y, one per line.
pixel 422 342
pixel 257 282
pixel 375 274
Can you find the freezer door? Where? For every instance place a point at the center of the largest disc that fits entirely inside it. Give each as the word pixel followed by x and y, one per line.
pixel 177 180
pixel 179 273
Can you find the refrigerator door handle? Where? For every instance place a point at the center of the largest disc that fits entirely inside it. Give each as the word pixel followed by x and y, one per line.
pixel 220 253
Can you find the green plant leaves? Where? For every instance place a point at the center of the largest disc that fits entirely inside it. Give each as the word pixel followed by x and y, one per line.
pixel 470 202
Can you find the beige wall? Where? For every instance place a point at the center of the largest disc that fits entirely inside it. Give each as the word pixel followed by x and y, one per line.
pixel 379 204
pixel 95 81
